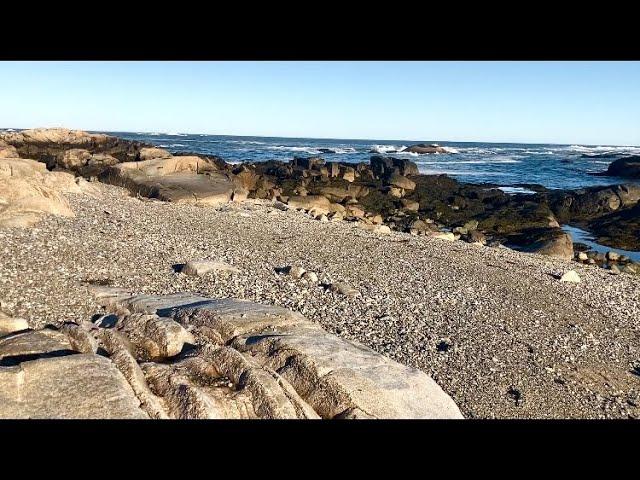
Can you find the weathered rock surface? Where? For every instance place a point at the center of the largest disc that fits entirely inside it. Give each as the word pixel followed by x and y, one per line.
pixel 624 167
pixel 202 267
pixel 28 190
pixel 8 151
pixel 81 386
pixel 551 242
pixel 10 324
pixel 182 179
pixel 49 145
pixel 257 361
pixel 423 148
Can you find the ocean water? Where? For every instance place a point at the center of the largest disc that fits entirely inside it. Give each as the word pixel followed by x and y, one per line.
pixel 504 164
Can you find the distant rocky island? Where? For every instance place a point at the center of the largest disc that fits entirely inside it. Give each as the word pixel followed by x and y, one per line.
pixel 180 355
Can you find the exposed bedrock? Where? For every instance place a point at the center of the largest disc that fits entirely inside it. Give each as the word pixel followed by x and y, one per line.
pixel 185 356
pixel 50 146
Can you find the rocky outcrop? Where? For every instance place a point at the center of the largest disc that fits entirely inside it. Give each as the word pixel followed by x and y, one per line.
pixel 286 366
pixel 28 191
pixel 182 179
pixel 624 167
pixel 423 148
pixel 8 151
pixel 49 145
pixel 191 357
pixel 384 167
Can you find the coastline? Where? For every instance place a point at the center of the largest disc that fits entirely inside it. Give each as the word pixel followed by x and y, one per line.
pixel 423 272
pixel 519 343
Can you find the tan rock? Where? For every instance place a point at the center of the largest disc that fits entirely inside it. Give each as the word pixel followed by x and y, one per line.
pixel 202 267
pixel 570 276
pixel 399 181
pixel 81 386
pixel 181 179
pixel 10 325
pixel 28 190
pixel 410 205
pixel 152 152
pixel 8 151
pixel 317 203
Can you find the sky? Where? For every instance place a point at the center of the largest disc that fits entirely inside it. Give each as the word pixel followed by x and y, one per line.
pixel 589 103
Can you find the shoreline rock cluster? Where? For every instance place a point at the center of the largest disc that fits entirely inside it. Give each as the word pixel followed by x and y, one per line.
pixel 385 194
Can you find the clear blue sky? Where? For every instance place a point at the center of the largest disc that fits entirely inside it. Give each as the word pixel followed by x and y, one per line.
pixel 536 102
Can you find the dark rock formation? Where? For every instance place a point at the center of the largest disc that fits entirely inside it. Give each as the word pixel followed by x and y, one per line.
pixel 423 148
pixel 624 167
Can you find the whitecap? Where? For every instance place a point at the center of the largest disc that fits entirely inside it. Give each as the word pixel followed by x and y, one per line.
pixel 514 190
pixel 387 148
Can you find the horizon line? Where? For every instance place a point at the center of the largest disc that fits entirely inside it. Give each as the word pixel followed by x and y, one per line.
pixel 335 138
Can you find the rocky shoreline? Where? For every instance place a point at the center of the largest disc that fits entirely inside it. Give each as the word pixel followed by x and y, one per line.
pixel 369 258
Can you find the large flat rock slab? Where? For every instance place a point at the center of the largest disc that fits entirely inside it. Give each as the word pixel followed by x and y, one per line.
pixel 81 386
pixel 32 344
pixel 182 179
pixel 280 349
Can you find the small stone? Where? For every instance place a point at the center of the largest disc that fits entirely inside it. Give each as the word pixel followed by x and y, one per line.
pixel 443 235
pixel 582 256
pixel 310 276
pixel 343 289
pixel 614 270
pixel 201 267
pixel 570 276
pixel 613 256
pixel 296 271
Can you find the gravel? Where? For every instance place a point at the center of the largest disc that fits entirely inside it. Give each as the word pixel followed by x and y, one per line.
pixel 494 327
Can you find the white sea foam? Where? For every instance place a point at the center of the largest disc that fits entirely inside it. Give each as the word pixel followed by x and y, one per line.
pixel 386 148
pixel 173 145
pixel 427 171
pixel 451 150
pixel 310 150
pixel 513 190
pixel 605 149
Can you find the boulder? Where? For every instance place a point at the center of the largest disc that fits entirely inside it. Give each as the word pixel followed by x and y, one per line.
pixel 74 158
pixel 308 163
pixel 149 153
pixel 624 167
pixel 28 190
pixel 154 338
pixel 551 242
pixel 8 151
pixel 423 148
pixel 383 167
pixel 180 179
pixel 349 174
pixel 32 343
pixel 316 203
pixel 410 205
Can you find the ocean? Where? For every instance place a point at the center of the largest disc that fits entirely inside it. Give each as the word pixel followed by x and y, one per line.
pixel 503 164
